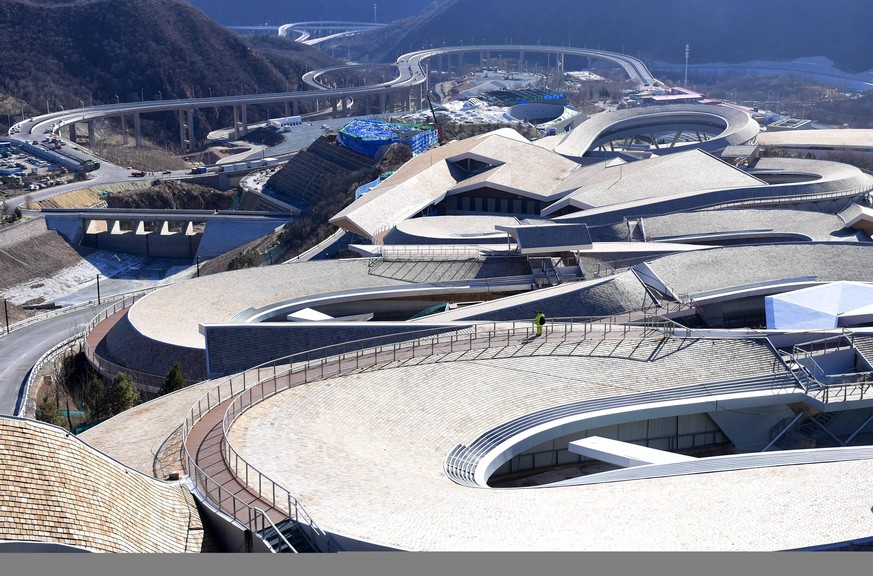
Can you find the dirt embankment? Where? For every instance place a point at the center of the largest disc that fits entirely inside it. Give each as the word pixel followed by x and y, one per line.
pixel 172 195
pixel 29 252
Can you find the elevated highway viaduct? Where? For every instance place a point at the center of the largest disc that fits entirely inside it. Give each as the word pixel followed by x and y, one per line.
pixel 405 91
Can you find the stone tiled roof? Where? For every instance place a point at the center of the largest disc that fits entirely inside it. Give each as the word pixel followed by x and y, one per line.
pixel 816 225
pixel 601 297
pixel 517 166
pixel 173 314
pixel 456 229
pixel 418 412
pixel 705 270
pixel 683 172
pixel 56 488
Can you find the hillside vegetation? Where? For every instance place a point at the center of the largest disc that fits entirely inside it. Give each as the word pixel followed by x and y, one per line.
pixel 738 31
pixel 63 54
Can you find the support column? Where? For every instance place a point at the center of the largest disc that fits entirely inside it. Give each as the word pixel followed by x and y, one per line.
pixel 333 105
pixel 296 107
pixel 287 108
pixel 427 75
pixel 382 103
pixel 124 130
pixel 236 122
pixel 521 61
pixel 137 130
pixel 345 106
pixel 244 109
pixel 73 133
pixel 92 135
pixel 182 146
pixel 191 143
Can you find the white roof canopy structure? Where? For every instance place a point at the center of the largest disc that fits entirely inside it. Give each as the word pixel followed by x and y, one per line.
pixel 827 306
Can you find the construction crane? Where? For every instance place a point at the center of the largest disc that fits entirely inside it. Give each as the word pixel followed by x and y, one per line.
pixel 435 122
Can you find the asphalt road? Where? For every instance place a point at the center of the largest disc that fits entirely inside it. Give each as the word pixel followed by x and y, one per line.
pixel 20 349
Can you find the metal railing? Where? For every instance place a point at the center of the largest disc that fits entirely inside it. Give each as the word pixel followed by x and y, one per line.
pixel 253 518
pixel 463 461
pixel 148 382
pixel 33 374
pixel 67 309
pixel 244 390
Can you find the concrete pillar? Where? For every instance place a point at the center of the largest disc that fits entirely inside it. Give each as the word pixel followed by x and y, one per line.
pixel 73 133
pixel 92 135
pixel 345 105
pixel 521 60
pixel 287 108
pixel 440 65
pixel 244 108
pixel 333 104
pixel 236 122
pixel 382 103
pixel 427 75
pixel 182 130
pixel 137 130
pixel 124 130
pixel 296 107
pixel 191 143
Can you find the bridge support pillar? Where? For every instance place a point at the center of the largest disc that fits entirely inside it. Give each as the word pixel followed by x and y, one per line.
pixel 124 130
pixel 382 103
pixel 521 67
pixel 333 107
pixel 236 122
pixel 244 112
pixel 73 133
pixel 182 146
pixel 137 130
pixel 190 123
pixel 287 108
pixel 427 75
pixel 439 67
pixel 295 106
pixel 345 106
pixel 92 135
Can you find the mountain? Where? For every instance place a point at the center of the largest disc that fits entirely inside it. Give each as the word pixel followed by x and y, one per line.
pixel 736 31
pixel 274 12
pixel 63 53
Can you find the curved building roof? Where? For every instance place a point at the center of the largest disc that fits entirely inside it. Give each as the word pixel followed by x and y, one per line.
pixel 734 127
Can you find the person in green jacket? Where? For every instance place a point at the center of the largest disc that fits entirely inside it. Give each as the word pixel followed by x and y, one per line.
pixel 539 321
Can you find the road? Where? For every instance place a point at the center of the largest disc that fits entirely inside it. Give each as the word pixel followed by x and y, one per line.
pixel 19 350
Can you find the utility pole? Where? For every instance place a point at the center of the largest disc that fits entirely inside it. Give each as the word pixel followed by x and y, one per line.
pixel 687 52
pixel 6 312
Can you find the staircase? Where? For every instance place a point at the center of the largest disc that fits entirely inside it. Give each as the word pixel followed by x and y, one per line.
pixel 291 532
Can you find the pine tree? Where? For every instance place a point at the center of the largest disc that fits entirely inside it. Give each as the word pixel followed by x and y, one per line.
pixel 174 380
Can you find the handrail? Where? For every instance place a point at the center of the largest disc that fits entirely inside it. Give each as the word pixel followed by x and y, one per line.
pixel 253 512
pixel 32 374
pixel 150 382
pixel 317 360
pixel 66 309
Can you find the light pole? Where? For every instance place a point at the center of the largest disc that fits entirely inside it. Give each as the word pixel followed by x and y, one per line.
pixel 6 312
pixel 687 52
pixel 117 99
pixel 90 99
pixel 142 94
pixel 263 148
pixel 161 95
pixel 210 91
pixel 82 102
pixel 98 289
pixel 197 260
